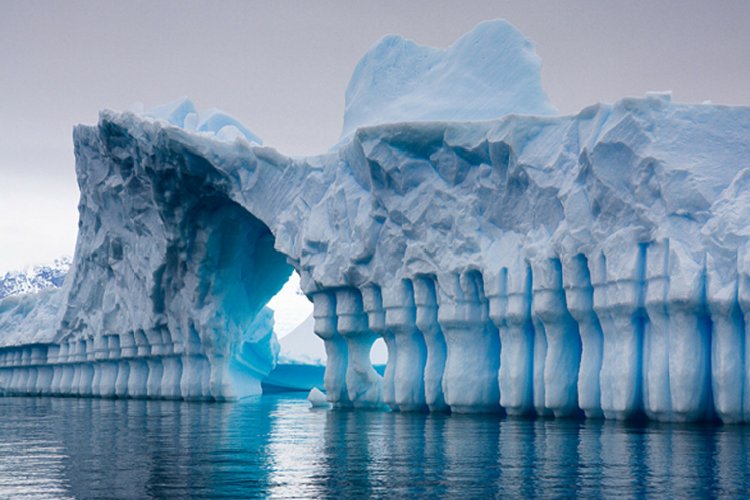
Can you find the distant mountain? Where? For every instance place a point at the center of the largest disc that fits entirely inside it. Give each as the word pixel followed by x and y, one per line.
pixel 35 278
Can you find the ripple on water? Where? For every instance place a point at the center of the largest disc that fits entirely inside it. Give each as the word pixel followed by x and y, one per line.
pixel 275 446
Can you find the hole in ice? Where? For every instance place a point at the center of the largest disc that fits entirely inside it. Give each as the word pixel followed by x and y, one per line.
pixel 379 353
pixel 293 324
pixel 290 307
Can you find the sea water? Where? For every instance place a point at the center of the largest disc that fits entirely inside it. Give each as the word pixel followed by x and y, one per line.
pixel 275 446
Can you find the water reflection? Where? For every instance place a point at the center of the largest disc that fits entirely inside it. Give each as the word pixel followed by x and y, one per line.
pixel 275 446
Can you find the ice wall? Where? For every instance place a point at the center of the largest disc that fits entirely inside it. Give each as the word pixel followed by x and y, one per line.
pixel 595 263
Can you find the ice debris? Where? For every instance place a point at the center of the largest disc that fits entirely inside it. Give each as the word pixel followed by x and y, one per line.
pixel 317 399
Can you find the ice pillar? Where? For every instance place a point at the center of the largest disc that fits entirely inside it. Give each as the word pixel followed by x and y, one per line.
pixel 657 401
pixel 510 310
pixel 743 296
pixel 618 279
pixel 425 300
pixel 676 351
pixel 473 346
pixel 138 373
pixel 563 343
pixel 690 337
pixel 324 312
pixel 363 384
pixel 580 302
pixel 372 300
pixel 400 320
pixel 728 341
pixel 171 366
pixel 128 350
pixel 154 362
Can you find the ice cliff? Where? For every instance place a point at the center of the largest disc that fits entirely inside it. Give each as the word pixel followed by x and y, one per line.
pixel 556 265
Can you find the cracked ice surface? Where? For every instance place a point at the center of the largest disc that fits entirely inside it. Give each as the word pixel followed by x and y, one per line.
pixel 594 263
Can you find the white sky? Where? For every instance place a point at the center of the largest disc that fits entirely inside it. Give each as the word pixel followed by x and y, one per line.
pixel 282 68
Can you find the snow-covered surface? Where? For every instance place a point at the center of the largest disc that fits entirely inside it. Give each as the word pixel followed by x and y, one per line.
pixel 536 263
pixel 30 302
pixel 34 278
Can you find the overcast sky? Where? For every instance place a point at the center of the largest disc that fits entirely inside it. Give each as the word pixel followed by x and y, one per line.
pixel 282 68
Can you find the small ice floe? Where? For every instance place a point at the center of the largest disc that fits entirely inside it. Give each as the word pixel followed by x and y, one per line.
pixel 317 399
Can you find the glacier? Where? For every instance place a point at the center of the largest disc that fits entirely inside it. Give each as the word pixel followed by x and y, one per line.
pixel 512 260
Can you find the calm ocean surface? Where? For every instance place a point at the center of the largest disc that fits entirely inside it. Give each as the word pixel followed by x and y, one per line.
pixel 274 446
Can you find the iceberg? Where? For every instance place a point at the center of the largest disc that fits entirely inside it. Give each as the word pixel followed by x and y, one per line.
pixel 512 261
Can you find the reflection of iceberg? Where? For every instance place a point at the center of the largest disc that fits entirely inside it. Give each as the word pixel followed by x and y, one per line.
pixel 276 447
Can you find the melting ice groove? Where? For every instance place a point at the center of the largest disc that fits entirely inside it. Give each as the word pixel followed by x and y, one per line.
pixel 517 261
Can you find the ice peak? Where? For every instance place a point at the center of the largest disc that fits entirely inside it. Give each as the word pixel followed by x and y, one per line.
pixel 489 72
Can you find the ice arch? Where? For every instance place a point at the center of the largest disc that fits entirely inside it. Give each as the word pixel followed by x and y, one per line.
pixel 171 278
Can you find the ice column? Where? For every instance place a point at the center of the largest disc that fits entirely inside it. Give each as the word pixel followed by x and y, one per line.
pixel 138 374
pixel 128 350
pixel 657 401
pixel 324 312
pixel 196 370
pixel 172 367
pixel 563 342
pixel 728 342
pixel 87 369
pixel 510 310
pixel 76 358
pixel 108 368
pixel 425 300
pixel 66 379
pixel 71 374
pixel 689 337
pixel 400 320
pixel 373 304
pixel 363 384
pixel 473 345
pixel 743 296
pixel 98 352
pixel 618 301
pixel 579 296
pixel 159 349
pixel 44 375
pixel 676 364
